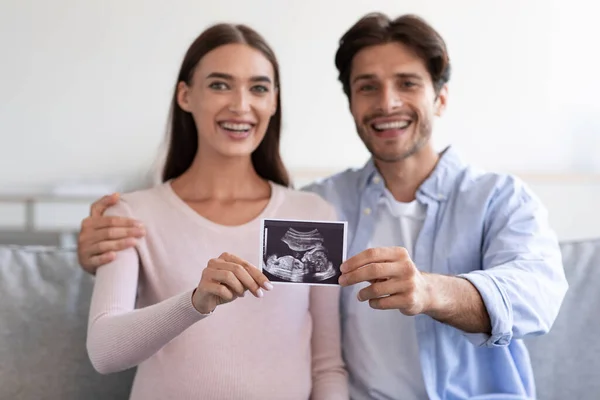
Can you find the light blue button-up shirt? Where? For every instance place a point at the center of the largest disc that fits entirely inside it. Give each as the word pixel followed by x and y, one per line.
pixel 488 228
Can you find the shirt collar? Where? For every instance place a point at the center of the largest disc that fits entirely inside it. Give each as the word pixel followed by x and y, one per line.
pixel 437 186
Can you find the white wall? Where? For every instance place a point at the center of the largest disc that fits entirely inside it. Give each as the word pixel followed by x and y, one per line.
pixel 85 86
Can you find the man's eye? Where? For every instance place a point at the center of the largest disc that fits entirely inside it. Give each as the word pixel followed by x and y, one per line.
pixel 367 88
pixel 260 89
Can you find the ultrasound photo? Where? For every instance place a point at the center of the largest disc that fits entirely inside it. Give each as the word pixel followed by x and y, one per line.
pixel 306 252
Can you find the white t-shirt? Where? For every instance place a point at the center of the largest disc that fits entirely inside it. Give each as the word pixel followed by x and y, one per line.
pixel 398 224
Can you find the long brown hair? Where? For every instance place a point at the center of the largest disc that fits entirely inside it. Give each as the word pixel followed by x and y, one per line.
pixel 410 30
pixel 183 134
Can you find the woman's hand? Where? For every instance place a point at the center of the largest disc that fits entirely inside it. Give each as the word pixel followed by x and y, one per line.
pixel 225 279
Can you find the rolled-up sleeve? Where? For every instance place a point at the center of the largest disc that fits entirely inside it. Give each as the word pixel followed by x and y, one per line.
pixel 522 280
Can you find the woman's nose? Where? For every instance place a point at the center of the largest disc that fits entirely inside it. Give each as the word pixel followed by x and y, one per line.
pixel 240 102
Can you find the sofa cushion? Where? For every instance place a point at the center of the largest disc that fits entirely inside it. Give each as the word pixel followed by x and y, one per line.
pixel 566 361
pixel 44 304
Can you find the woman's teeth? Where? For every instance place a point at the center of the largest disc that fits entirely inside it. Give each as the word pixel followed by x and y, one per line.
pixel 235 127
pixel 391 125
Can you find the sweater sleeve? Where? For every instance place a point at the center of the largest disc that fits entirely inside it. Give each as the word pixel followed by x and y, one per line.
pixel 119 335
pixel 330 379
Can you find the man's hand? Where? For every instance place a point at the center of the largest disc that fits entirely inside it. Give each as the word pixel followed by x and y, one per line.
pixel 395 280
pixel 101 237
pixel 396 283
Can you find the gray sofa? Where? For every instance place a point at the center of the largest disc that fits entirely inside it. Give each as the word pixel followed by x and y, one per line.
pixel 44 303
pixel 44 300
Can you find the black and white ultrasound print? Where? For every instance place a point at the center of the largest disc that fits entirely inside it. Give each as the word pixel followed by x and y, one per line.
pixel 305 252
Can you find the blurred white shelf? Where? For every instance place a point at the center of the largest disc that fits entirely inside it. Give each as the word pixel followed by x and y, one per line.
pixel 13 215
pixel 43 213
pixel 572 199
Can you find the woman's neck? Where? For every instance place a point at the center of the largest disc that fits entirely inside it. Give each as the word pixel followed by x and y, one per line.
pixel 221 179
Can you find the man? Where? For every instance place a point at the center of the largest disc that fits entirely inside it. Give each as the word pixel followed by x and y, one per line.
pixel 449 267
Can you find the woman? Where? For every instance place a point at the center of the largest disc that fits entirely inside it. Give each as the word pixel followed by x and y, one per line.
pixel 223 174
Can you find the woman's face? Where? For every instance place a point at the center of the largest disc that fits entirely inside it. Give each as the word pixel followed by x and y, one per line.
pixel 232 97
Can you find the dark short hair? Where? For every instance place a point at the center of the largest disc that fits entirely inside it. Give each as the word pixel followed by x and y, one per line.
pixel 412 31
pixel 183 134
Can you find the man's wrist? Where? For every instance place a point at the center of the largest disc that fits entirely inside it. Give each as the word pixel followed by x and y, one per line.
pixel 455 301
pixel 435 303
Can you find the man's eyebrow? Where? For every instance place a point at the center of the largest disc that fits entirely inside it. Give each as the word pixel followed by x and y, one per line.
pixel 228 77
pixel 363 77
pixel 403 75
pixel 410 75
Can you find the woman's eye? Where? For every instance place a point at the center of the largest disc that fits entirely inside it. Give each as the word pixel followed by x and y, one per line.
pixel 218 86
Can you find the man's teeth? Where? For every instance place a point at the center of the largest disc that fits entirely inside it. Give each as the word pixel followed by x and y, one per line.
pixel 391 125
pixel 236 127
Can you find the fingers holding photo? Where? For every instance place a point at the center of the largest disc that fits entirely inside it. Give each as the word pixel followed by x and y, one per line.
pixel 258 279
pixel 377 264
pixel 225 279
pixel 394 280
pixel 375 255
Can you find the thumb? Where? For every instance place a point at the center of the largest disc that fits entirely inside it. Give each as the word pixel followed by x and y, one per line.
pixel 100 206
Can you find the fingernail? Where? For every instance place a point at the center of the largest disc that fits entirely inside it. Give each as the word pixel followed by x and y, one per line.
pixel 139 224
pixel 343 268
pixel 268 286
pixel 260 293
pixel 342 280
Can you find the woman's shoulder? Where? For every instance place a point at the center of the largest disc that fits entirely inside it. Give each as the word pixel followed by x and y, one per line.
pixel 144 194
pixel 139 202
pixel 292 195
pixel 307 205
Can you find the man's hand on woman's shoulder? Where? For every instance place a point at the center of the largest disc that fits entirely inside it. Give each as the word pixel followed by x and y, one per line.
pixel 102 236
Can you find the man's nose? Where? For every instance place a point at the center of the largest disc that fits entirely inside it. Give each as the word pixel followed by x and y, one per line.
pixel 391 100
pixel 240 102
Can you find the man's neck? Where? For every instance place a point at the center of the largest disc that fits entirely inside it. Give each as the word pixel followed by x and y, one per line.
pixel 403 178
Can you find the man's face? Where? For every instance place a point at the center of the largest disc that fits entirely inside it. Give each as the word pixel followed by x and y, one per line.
pixel 393 101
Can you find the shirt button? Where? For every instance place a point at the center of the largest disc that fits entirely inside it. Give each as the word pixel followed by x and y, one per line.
pixel 376 180
pixel 367 211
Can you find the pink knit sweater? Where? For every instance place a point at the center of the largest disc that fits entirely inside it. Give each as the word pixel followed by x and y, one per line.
pixel 285 345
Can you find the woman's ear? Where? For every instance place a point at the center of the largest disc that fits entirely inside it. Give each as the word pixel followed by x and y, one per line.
pixel 183 92
pixel 276 102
